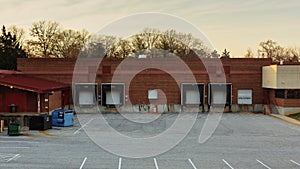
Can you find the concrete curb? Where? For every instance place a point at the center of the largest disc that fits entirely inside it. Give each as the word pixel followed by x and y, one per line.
pixel 286 119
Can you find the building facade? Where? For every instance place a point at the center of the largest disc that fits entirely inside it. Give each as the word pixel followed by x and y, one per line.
pixel 162 84
pixel 281 85
pixel 25 94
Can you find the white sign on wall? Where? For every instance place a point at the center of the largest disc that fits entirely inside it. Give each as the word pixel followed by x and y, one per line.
pixel 244 96
pixel 152 94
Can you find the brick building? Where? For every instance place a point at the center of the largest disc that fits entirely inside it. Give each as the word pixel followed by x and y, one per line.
pixel 169 84
pixel 281 85
pixel 21 93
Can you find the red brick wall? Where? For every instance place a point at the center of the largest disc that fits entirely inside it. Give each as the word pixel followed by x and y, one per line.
pixel 25 101
pixel 55 100
pixel 139 86
pixel 283 102
pixel 242 73
pixel 31 102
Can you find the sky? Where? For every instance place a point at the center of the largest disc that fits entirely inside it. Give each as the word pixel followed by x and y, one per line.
pixel 232 24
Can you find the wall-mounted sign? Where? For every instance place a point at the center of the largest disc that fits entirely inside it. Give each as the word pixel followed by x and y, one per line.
pixel 152 94
pixel 244 96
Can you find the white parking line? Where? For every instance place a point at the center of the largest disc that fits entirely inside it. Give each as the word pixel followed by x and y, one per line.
pixel 192 163
pixel 14 147
pixel 295 162
pixel 14 157
pixel 83 126
pixel 263 164
pixel 34 142
pixel 83 162
pixel 155 163
pixel 120 163
pixel 17 157
pixel 227 164
pixel 6 155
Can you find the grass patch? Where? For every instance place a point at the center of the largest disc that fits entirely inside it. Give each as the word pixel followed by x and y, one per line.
pixel 295 116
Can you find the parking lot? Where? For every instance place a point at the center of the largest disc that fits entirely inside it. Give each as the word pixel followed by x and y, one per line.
pixel 245 140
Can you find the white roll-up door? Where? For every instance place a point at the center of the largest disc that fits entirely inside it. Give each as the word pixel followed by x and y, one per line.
pixel 86 98
pixel 113 97
pixel 192 97
pixel 219 97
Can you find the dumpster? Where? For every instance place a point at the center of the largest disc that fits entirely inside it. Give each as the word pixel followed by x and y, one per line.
pixel 13 129
pixel 42 122
pixel 62 118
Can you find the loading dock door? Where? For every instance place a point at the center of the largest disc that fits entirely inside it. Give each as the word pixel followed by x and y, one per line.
pixel 86 98
pixel 192 94
pixel 192 97
pixel 86 94
pixel 112 94
pixel 220 94
pixel 113 97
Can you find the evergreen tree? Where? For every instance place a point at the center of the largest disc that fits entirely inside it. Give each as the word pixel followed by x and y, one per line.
pixel 10 50
pixel 226 54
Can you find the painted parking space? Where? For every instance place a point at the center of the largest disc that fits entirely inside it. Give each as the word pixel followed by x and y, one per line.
pixel 240 141
pixel 7 157
pixel 158 163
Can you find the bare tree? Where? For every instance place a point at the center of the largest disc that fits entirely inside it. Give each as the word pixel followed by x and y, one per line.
pixel 294 54
pixel 71 42
pixel 139 44
pixel 249 53
pixel 124 48
pixel 182 44
pixel 150 37
pixel 103 45
pixel 271 49
pixel 167 43
pixel 45 36
pixel 267 49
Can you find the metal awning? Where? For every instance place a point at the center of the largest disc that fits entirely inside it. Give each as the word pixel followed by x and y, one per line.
pixel 23 82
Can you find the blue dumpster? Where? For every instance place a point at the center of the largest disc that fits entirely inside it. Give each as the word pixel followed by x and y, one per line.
pixel 62 118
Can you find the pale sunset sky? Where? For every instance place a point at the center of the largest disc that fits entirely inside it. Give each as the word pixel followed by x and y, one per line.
pixel 232 24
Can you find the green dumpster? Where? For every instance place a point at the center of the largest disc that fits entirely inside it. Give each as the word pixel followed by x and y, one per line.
pixel 13 129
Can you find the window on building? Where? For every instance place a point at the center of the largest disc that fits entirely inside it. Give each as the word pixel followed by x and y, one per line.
pixel 293 94
pixel 279 93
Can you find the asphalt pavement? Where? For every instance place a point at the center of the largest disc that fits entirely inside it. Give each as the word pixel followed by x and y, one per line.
pixel 245 140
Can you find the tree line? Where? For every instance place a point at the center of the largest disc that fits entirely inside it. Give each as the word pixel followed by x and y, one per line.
pixel 271 49
pixel 150 42
pixel 47 39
